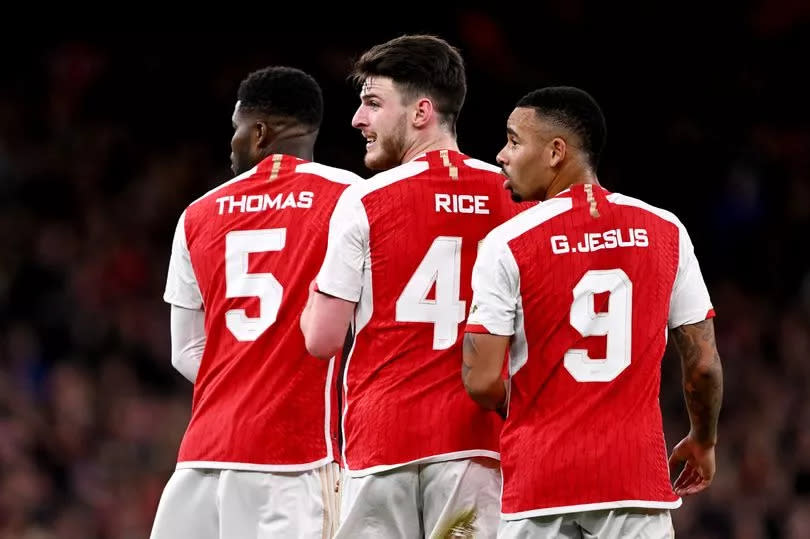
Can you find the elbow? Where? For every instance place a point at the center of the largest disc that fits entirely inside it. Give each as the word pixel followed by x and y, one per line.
pixel 708 371
pixel 481 398
pixel 320 347
pixel 488 393
pixel 188 368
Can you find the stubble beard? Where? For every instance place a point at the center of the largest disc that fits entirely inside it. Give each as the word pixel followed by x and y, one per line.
pixel 390 149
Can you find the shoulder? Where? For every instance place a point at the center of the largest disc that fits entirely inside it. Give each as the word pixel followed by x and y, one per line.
pixel 529 219
pixel 223 186
pixel 624 200
pixel 482 165
pixel 384 179
pixel 332 174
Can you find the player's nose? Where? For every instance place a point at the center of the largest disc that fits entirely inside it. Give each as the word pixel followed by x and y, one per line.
pixel 359 119
pixel 500 158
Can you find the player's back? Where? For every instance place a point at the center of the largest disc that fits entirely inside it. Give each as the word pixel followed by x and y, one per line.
pixel 596 275
pixel 255 243
pixel 405 400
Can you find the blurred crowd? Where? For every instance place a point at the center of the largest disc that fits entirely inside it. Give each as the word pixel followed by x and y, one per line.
pixel 104 140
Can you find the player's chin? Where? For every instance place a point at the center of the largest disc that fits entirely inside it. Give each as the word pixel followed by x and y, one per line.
pixel 512 193
pixel 377 161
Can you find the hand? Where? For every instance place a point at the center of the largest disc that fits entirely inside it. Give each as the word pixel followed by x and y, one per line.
pixel 698 470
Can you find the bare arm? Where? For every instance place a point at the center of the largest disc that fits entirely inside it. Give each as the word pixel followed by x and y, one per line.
pixel 482 368
pixel 325 322
pixel 702 378
pixel 703 391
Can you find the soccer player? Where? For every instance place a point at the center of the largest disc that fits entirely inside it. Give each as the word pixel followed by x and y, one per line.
pixel 419 455
pixel 583 288
pixel 258 457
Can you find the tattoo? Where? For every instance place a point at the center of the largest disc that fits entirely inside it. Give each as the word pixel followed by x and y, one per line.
pixel 469 349
pixel 702 377
pixel 465 371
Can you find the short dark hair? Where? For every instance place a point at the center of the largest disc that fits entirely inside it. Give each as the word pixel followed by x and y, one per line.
pixel 420 65
pixel 282 91
pixel 574 110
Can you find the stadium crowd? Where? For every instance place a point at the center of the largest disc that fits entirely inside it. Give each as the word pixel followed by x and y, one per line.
pixel 104 140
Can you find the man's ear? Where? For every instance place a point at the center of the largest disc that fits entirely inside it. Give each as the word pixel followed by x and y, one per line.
pixel 423 112
pixel 558 150
pixel 261 134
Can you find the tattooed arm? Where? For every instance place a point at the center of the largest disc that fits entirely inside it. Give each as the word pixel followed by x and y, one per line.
pixel 482 368
pixel 703 392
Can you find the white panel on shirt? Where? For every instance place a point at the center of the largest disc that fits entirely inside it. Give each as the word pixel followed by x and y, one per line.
pixel 337 175
pixel 347 251
pixel 496 277
pixel 481 165
pixel 690 302
pixel 182 288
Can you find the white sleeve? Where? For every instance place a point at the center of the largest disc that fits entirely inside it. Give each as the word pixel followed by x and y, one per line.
pixel 188 340
pixel 182 288
pixel 496 287
pixel 341 273
pixel 690 302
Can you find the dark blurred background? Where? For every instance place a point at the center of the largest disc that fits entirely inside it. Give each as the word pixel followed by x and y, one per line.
pixel 106 136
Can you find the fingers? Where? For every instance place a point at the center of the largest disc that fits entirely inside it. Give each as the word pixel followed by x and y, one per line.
pixel 693 489
pixel 676 458
pixel 687 477
pixel 690 481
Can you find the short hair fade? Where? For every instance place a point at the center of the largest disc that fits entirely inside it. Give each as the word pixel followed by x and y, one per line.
pixel 574 110
pixel 283 91
pixel 420 65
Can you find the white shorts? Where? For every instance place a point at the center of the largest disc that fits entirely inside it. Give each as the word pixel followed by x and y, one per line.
pixel 423 500
pixel 230 504
pixel 606 524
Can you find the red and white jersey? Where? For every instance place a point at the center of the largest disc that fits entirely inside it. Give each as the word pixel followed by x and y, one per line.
pixel 402 245
pixel 587 284
pixel 246 253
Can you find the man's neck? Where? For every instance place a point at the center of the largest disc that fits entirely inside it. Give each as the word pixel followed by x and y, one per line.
pixel 440 141
pixel 299 145
pixel 563 182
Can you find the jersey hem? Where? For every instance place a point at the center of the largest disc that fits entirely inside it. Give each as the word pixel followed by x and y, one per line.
pixel 248 467
pixel 458 455
pixel 619 504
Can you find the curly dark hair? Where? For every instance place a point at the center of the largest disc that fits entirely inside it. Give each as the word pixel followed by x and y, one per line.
pixel 282 91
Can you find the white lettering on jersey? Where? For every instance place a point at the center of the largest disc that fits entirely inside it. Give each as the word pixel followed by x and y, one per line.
pixel 462 203
pixel 595 241
pixel 256 203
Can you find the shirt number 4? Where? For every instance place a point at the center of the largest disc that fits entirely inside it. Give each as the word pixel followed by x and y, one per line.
pixel 441 266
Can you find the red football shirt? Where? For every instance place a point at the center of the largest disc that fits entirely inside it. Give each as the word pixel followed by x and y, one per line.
pixel 246 253
pixel 402 245
pixel 587 283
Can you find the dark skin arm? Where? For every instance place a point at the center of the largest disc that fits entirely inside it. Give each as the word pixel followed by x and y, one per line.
pixel 703 393
pixel 482 368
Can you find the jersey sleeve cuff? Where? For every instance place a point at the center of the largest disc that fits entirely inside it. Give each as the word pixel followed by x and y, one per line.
pixel 476 328
pixel 482 329
pixel 692 318
pixel 337 291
